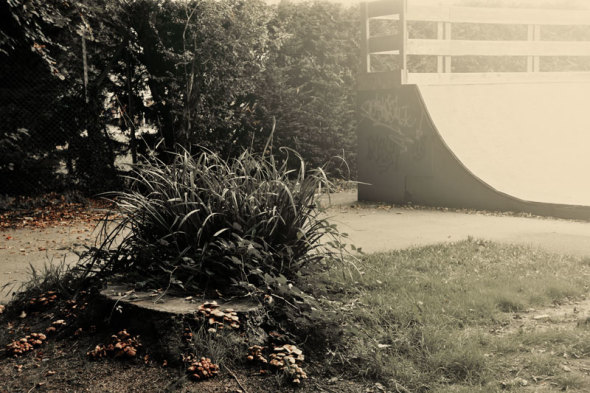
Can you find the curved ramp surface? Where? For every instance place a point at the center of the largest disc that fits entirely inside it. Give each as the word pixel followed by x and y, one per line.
pixel 508 147
pixel 531 141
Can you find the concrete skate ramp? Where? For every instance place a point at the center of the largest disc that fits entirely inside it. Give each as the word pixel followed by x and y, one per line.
pixel 530 141
pixel 507 147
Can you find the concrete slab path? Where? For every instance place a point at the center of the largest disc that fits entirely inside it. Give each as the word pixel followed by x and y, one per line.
pixel 381 228
pixel 21 249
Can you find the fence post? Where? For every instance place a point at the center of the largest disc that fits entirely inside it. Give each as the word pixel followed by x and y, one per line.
pixel 533 62
pixel 403 34
pixel 365 34
pixel 443 63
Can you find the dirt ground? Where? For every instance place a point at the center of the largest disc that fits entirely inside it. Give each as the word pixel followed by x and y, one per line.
pixel 564 318
pixel 62 366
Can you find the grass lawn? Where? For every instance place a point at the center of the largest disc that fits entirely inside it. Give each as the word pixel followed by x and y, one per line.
pixel 467 317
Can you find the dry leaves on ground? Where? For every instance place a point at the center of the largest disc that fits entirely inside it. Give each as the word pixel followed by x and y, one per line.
pixel 50 210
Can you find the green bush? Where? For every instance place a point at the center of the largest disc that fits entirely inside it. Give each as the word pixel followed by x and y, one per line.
pixel 207 223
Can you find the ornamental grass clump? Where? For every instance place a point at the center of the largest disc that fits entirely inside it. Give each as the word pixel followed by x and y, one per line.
pixel 202 222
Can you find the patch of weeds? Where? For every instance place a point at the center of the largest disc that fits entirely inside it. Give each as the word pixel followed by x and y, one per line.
pixel 581 347
pixel 458 359
pixel 570 381
pixel 202 223
pixel 506 304
pixel 53 277
pixel 552 339
pixel 223 347
pixel 584 323
pixel 204 226
pixel 585 261
pixel 50 277
pixel 556 293
pixel 489 388
pixel 539 364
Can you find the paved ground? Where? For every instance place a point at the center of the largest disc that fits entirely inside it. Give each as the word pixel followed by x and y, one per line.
pixel 22 248
pixel 371 227
pixel 381 228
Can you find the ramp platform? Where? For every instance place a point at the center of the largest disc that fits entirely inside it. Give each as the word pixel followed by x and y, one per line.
pixel 494 141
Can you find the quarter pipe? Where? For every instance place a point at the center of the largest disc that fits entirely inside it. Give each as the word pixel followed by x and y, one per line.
pixel 505 141
pixel 516 147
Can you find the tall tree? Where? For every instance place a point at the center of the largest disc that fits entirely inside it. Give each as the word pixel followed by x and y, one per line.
pixel 203 59
pixel 66 49
pixel 311 79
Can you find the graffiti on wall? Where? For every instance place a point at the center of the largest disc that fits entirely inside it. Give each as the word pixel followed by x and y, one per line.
pixel 395 128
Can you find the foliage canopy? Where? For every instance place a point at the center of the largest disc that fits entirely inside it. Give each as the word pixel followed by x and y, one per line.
pixel 105 80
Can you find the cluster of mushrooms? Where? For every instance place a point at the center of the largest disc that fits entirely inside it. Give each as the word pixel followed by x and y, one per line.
pixel 218 318
pixel 34 340
pixel 122 345
pixel 55 325
pixel 73 306
pixel 26 344
pixel 255 354
pixel 201 369
pixel 286 358
pixel 187 335
pixel 44 300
